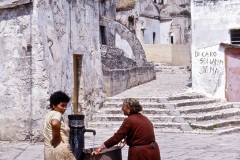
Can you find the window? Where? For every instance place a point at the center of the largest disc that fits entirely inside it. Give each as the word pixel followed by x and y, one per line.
pixel 235 36
pixel 171 39
pixel 154 36
pixel 103 35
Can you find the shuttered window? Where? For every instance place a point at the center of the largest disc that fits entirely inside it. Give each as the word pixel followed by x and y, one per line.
pixel 235 36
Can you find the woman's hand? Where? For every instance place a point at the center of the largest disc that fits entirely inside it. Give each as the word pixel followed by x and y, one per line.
pixel 98 150
pixel 123 143
pixel 56 141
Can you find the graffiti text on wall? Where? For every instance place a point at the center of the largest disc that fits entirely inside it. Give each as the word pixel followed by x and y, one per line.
pixel 209 62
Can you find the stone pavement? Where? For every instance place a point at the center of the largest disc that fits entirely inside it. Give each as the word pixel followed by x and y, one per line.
pixel 173 147
pixel 176 81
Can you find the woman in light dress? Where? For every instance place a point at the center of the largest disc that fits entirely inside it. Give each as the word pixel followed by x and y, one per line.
pixel 56 132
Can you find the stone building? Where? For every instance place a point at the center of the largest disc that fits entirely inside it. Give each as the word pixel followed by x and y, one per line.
pixel 215 48
pixel 50 45
pixel 163 28
pixel 175 20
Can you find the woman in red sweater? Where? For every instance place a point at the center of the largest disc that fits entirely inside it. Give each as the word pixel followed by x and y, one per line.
pixel 138 132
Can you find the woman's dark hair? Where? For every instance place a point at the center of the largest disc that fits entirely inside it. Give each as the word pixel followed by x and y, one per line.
pixel 58 97
pixel 133 105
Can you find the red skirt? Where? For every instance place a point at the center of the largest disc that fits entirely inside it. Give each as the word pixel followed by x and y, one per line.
pixel 144 152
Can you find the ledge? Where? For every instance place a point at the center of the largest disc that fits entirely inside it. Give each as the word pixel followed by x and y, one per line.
pixel 13 3
pixel 227 45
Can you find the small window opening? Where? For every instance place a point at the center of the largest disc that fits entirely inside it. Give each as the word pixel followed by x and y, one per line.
pixel 171 39
pixel 143 33
pixel 235 36
pixel 154 36
pixel 130 22
pixel 103 35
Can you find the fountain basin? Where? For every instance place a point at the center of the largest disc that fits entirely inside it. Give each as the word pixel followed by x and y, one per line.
pixel 113 153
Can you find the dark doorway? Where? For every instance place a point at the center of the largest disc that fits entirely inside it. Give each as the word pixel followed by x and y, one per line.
pixel 154 37
pixel 78 82
pixel 171 39
pixel 103 39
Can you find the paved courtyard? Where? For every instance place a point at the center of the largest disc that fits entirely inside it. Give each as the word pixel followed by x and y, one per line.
pixel 173 146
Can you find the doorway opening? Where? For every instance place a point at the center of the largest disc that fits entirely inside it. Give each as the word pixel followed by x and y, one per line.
pixel 103 39
pixel 78 83
pixel 154 37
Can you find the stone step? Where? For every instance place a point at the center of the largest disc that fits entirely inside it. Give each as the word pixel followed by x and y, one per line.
pixel 174 68
pixel 156 99
pixel 146 111
pixel 172 104
pixel 162 72
pixel 216 131
pixel 204 108
pixel 141 99
pixel 221 114
pixel 152 118
pixel 158 125
pixel 216 124
pixel 145 105
pixel 199 101
pixel 227 130
pixel 184 96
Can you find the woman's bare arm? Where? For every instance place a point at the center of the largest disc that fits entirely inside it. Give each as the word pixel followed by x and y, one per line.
pixel 56 125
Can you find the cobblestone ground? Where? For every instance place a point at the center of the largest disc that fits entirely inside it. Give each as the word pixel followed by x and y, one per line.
pixel 179 146
pixel 173 147
pixel 164 85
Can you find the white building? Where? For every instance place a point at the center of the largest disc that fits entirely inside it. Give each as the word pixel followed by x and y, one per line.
pixel 215 48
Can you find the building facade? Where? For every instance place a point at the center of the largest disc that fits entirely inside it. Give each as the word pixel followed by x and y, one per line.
pixel 215 48
pixel 58 45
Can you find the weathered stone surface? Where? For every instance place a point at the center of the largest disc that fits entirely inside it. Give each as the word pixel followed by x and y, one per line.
pixel 125 4
pixel 12 3
pixel 36 53
pixel 208 57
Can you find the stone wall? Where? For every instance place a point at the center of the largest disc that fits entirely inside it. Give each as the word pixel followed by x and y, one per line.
pixel 125 4
pixel 16 69
pixel 212 21
pixel 143 17
pixel 125 33
pixel 121 73
pixel 178 11
pixel 168 53
pixel 38 41
pixel 114 58
pixel 117 81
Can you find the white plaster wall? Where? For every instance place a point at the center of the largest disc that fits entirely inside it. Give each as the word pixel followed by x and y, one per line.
pixel 211 22
pixel 150 25
pixel 124 45
pixel 37 43
pixel 15 68
pixel 164 31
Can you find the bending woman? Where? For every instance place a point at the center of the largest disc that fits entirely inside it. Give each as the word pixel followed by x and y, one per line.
pixel 138 132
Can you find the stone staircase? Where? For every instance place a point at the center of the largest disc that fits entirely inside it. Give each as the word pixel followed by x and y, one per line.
pixel 169 69
pixel 191 113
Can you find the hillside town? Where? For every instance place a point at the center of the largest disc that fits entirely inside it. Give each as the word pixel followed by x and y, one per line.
pixel 179 58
